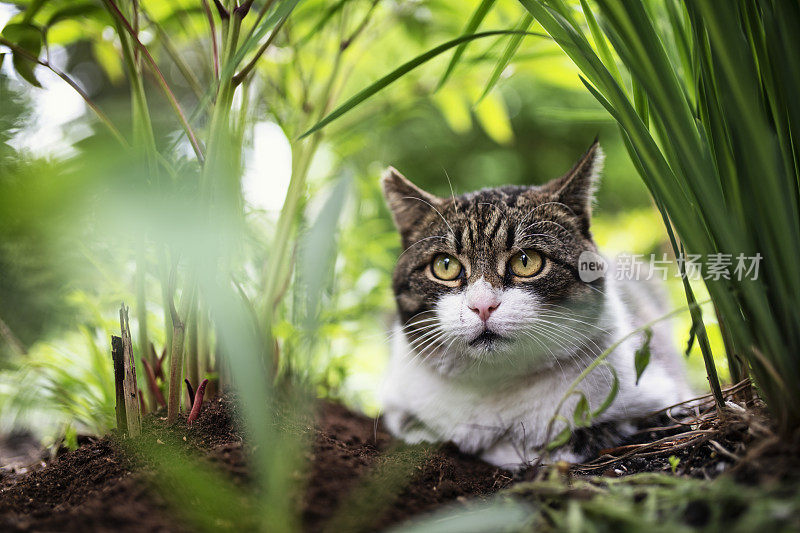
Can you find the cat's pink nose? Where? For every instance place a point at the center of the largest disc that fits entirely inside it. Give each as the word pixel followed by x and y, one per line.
pixel 483 309
pixel 482 299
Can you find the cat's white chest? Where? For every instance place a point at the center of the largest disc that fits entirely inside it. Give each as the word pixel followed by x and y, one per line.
pixel 505 421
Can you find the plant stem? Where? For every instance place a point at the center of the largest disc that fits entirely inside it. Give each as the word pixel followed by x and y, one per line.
pixel 100 115
pixel 123 23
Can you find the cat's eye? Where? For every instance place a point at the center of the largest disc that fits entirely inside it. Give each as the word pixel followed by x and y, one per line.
pixel 526 263
pixel 446 267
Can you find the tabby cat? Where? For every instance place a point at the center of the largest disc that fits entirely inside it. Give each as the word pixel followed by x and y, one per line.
pixel 495 321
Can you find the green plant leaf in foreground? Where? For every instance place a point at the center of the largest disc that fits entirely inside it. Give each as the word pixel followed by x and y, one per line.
pixel 474 21
pixel 511 48
pixel 401 71
pixel 642 356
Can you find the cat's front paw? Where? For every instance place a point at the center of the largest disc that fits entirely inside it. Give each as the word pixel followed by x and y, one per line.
pixel 406 426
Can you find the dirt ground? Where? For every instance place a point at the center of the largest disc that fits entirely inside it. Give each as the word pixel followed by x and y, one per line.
pixel 97 488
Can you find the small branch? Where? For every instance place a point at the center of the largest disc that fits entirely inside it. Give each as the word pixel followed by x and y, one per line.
pixel 197 405
pixel 223 13
pixel 187 128
pixel 100 115
pixel 173 52
pixel 212 27
pixel 347 42
pixel 240 77
pixel 243 9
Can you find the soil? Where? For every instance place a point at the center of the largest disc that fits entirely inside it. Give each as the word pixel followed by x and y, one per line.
pixel 99 488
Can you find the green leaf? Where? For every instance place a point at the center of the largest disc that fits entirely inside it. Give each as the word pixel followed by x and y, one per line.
pixel 612 394
pixel 401 71
pixel 582 416
pixel 29 38
pixel 563 436
pixel 642 357
pixel 76 11
pixel 603 49
pixel 692 337
pixel 472 25
pixel 511 48
pixel 492 115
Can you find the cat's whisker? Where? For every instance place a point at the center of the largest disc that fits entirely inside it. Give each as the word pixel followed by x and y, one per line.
pixel 419 241
pixel 453 233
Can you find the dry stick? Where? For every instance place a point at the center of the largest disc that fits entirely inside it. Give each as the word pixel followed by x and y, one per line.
pixel 162 82
pixel 119 377
pixel 100 115
pixel 130 388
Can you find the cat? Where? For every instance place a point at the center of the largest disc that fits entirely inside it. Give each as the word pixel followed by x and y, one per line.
pixel 495 322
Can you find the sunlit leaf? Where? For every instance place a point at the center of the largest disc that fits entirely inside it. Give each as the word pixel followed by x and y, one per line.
pixel 454 108
pixel 109 59
pixel 492 115
pixel 398 73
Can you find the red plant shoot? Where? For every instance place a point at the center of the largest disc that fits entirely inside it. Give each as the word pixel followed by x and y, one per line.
pixel 198 402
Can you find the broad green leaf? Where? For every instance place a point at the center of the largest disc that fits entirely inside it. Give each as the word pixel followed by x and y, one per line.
pixel 472 25
pixel 29 38
pixel 642 356
pixel 77 11
pixel 399 72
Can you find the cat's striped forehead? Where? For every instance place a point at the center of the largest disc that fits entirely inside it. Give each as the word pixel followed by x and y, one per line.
pixel 484 229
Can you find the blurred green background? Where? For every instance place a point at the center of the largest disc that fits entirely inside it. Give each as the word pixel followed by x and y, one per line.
pixel 65 187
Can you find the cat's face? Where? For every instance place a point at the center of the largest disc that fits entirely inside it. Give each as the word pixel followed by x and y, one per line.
pixel 492 276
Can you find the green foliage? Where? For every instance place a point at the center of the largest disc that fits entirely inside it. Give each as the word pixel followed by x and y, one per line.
pixel 642 355
pixel 715 152
pixel 654 502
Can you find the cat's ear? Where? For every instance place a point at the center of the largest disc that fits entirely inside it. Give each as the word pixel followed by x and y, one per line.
pixel 576 188
pixel 408 203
